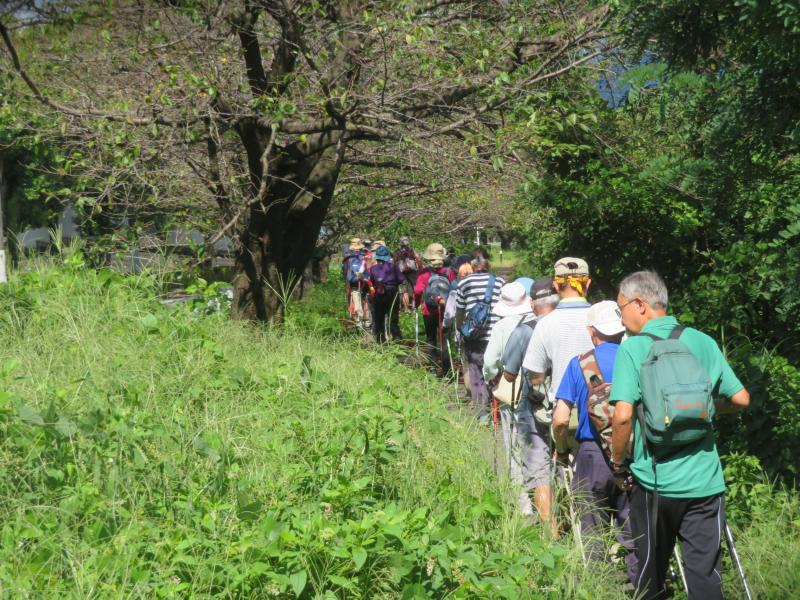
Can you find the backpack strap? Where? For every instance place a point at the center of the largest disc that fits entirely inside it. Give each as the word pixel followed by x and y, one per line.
pixel 487 295
pixel 590 368
pixel 676 332
pixel 673 335
pixel 655 338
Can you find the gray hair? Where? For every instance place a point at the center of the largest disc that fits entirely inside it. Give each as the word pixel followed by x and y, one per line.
pixel 646 285
pixel 551 300
pixel 479 263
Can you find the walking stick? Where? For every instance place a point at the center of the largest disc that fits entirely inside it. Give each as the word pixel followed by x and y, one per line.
pixel 494 436
pixel 681 570
pixel 573 517
pixel 736 560
pixel 452 366
pixel 416 329
pixel 441 336
pixel 511 427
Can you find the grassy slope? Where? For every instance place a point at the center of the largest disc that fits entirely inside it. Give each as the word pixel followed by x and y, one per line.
pixel 148 452
pixel 155 453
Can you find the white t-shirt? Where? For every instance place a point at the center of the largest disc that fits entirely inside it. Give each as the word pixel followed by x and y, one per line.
pixel 558 337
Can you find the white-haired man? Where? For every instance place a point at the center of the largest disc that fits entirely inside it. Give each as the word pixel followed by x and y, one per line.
pixel 674 379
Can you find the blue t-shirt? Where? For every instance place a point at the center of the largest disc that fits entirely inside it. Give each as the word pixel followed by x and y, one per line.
pixel 573 388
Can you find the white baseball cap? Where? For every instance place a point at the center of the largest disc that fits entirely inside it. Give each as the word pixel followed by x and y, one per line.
pixel 604 316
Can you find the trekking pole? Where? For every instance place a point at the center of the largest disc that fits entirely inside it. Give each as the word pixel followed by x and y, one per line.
pixel 441 341
pixel 511 429
pixel 681 570
pixel 416 330
pixel 388 322
pixel 494 436
pixel 452 366
pixel 736 560
pixel 573 517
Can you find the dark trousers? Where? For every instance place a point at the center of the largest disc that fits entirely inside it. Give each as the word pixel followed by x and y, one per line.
pixel 411 283
pixel 435 337
pixel 478 388
pixel 697 523
pixel 385 307
pixel 599 500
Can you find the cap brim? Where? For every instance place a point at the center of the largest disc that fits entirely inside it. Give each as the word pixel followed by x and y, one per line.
pixel 610 328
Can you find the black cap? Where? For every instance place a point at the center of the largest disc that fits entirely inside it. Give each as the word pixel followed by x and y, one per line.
pixel 542 288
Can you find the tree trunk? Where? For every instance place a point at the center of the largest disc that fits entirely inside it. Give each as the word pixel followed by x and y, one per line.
pixel 280 234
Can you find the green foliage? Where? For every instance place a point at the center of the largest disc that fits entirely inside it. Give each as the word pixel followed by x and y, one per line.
pixel 680 179
pixel 28 166
pixel 155 453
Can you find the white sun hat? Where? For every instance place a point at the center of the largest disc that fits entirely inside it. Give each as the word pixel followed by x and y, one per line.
pixel 513 301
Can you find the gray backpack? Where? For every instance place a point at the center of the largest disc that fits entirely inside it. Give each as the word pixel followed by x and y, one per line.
pixel 677 407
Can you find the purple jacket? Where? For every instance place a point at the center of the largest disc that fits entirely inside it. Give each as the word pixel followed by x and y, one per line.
pixel 386 273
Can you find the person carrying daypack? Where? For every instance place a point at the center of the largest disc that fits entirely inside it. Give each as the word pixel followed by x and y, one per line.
pixel 515 309
pixel 669 382
pixel 586 385
pixel 476 294
pixel 430 292
pixel 386 279
pixel 353 272
pixel 526 426
pixel 410 263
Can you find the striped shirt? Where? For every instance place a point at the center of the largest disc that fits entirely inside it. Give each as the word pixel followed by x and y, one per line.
pixel 559 336
pixel 471 290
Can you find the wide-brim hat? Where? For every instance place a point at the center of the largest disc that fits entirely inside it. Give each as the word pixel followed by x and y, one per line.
pixel 405 241
pixel 513 301
pixel 434 252
pixel 382 254
pixel 377 243
pixel 355 246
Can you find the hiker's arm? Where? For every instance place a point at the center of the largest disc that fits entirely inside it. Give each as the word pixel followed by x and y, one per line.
pixel 739 401
pixel 621 430
pixel 492 358
pixel 561 426
pixel 535 378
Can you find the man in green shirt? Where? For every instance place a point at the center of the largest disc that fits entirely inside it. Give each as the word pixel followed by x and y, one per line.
pixel 689 502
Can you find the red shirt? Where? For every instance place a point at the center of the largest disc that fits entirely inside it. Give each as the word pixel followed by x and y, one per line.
pixel 422 282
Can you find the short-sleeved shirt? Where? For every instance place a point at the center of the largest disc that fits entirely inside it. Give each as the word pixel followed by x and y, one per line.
pixel 512 361
pixel 471 290
pixel 498 338
pixel 422 282
pixel 558 337
pixel 695 470
pixel 574 392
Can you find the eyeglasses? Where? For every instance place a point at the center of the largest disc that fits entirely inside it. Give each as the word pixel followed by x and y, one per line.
pixel 619 309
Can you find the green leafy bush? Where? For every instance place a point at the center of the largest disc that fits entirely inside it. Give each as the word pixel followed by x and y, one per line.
pixel 158 453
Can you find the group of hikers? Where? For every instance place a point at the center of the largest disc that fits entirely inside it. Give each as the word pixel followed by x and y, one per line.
pixel 617 396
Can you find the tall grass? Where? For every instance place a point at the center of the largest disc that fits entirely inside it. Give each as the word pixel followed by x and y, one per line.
pixel 152 453
pixel 155 453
